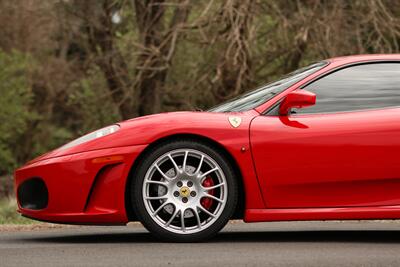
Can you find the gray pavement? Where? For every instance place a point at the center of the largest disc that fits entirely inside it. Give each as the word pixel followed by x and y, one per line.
pixel 371 243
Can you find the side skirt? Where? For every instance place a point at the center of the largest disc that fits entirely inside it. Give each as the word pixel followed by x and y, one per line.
pixel 310 214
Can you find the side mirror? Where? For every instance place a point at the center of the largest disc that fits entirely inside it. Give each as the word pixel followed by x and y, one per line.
pixel 296 99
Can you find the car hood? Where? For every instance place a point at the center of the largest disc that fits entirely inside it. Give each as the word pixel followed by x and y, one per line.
pixel 146 129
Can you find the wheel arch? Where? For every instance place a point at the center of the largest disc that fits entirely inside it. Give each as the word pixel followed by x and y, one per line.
pixel 239 211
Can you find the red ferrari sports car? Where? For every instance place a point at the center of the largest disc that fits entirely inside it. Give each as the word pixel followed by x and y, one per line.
pixel 322 143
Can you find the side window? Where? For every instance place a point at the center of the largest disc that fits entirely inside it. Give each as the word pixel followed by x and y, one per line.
pixel 360 87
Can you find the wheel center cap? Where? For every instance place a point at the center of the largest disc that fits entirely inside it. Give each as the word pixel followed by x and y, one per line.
pixel 184 191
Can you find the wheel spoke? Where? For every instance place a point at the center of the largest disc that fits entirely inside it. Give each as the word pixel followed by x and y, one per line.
pixel 161 207
pixel 197 218
pixel 183 221
pixel 200 164
pixel 213 197
pixel 156 182
pixel 184 161
pixel 172 217
pixel 157 197
pixel 208 172
pixel 206 211
pixel 213 187
pixel 166 177
pixel 174 163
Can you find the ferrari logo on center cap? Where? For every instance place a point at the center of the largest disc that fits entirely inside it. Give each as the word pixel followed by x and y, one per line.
pixel 235 121
pixel 185 191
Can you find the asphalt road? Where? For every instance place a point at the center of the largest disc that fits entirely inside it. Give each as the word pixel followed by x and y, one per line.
pixel 263 244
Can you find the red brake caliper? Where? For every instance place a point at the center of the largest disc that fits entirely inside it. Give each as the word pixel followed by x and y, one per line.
pixel 205 201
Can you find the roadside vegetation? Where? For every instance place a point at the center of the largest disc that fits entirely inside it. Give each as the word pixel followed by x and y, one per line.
pixel 9 214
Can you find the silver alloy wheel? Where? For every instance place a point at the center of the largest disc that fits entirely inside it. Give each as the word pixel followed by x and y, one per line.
pixel 174 190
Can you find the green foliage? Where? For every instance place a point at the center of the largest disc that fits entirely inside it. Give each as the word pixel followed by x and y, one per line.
pixel 90 97
pixel 9 214
pixel 15 97
pixel 48 136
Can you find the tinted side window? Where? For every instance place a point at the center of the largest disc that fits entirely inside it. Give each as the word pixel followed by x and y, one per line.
pixel 367 86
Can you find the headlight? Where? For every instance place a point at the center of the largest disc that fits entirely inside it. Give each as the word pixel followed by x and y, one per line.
pixel 91 136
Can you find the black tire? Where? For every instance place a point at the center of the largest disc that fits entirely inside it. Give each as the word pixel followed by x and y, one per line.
pixel 138 204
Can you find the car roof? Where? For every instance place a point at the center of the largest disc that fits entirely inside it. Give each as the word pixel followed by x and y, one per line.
pixel 367 57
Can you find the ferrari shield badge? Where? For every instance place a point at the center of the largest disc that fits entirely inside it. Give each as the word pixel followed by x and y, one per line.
pixel 235 121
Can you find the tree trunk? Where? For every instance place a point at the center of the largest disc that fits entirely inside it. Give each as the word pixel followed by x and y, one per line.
pixel 234 70
pixel 101 38
pixel 158 42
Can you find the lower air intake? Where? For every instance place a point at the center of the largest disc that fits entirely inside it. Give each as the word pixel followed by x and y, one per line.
pixel 32 194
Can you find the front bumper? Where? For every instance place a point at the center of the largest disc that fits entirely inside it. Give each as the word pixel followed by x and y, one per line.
pixel 82 188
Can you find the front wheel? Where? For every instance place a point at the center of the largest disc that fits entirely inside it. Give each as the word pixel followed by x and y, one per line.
pixel 184 191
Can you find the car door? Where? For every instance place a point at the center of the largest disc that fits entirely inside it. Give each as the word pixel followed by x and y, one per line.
pixel 344 151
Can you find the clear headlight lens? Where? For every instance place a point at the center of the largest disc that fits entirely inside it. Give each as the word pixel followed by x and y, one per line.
pixel 93 135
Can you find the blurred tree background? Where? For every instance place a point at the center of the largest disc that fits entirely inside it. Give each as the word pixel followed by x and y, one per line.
pixel 71 66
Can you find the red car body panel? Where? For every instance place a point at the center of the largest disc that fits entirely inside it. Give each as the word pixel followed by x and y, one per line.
pixel 298 167
pixel 309 214
pixel 331 160
pixel 70 174
pixel 70 179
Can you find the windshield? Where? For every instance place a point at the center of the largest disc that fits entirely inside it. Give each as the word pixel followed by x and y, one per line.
pixel 254 98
